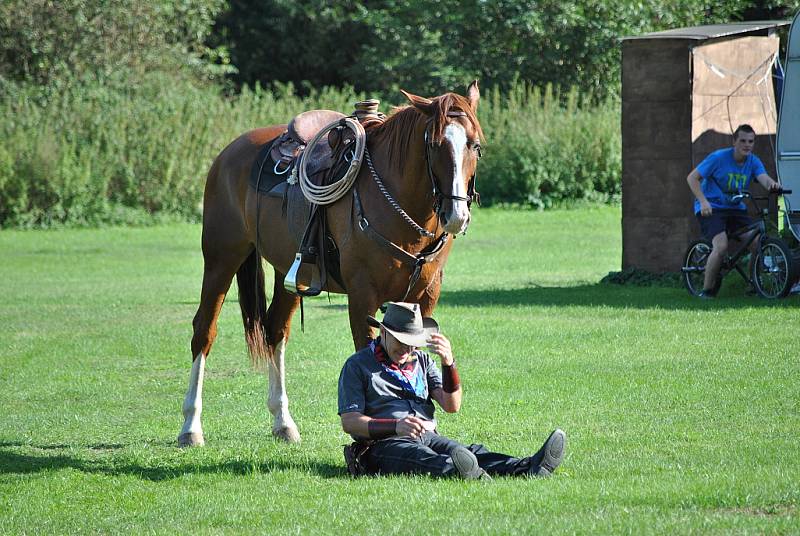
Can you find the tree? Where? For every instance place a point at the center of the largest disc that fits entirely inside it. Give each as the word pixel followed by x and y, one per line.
pixel 45 40
pixel 431 45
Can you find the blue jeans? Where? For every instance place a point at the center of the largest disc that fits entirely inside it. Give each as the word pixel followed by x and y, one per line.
pixel 430 454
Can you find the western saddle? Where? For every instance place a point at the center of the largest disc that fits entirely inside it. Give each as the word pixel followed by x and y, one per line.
pixel 324 163
pixel 301 130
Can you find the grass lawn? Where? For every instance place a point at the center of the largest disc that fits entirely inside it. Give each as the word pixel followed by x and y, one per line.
pixel 682 416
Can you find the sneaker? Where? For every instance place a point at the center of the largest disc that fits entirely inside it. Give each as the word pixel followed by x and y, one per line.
pixel 467 465
pixel 706 295
pixel 552 454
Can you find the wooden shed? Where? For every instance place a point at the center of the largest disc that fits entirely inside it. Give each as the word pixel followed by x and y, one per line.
pixel 684 91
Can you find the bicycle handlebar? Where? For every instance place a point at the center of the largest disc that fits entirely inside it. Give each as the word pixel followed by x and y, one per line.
pixel 747 195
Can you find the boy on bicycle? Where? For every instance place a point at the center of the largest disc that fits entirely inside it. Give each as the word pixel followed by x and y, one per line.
pixel 723 174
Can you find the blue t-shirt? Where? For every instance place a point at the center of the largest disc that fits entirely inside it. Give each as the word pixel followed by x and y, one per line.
pixel 367 387
pixel 723 178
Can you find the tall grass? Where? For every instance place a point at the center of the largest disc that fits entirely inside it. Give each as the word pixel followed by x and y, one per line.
pixel 98 153
pixel 546 149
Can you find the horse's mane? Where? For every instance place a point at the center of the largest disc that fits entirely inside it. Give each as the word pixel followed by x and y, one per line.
pixel 399 128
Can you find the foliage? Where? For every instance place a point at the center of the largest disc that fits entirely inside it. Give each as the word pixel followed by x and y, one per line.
pixel 48 42
pixel 104 153
pixel 427 45
pixel 376 46
pixel 681 415
pixel 305 43
pixel 542 153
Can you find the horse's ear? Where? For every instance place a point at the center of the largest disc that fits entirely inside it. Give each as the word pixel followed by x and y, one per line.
pixel 420 103
pixel 474 95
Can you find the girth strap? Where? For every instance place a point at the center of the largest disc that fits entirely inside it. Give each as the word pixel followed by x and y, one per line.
pixel 413 261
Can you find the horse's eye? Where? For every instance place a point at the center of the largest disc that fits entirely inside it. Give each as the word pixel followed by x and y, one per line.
pixel 477 148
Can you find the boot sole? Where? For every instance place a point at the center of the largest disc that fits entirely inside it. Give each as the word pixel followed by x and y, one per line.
pixel 467 465
pixel 553 453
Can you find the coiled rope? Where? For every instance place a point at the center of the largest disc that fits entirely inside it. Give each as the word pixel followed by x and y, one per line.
pixel 327 194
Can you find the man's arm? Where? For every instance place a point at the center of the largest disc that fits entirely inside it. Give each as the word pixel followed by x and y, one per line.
pixel 767 182
pixel 358 424
pixel 694 179
pixel 448 395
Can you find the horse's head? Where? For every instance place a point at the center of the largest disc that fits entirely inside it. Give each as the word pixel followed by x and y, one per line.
pixel 452 149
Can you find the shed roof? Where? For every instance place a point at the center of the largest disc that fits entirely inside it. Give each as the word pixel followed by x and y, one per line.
pixel 713 31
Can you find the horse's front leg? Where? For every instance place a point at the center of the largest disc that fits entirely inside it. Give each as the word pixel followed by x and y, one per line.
pixel 360 303
pixel 279 319
pixel 428 297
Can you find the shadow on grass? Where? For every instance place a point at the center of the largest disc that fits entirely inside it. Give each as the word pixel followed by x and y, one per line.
pixel 18 463
pixel 608 295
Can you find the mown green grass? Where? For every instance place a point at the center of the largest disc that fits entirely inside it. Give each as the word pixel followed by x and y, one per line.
pixel 682 416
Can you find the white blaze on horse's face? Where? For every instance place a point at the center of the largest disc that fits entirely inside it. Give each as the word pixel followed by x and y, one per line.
pixel 456 219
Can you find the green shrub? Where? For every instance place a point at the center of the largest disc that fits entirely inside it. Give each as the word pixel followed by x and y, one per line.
pixel 545 149
pixel 98 152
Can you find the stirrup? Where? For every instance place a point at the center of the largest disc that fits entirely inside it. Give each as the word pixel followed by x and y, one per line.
pixel 290 281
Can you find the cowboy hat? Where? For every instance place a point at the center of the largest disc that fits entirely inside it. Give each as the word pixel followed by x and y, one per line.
pixel 404 321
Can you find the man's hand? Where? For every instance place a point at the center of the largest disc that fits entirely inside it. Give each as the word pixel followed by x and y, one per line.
pixel 768 182
pixel 411 427
pixel 705 208
pixel 440 345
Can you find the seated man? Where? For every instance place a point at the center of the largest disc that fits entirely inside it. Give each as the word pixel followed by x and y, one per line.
pixel 386 394
pixel 725 173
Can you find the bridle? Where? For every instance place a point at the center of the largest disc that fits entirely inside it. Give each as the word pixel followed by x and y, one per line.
pixel 438 196
pixel 414 261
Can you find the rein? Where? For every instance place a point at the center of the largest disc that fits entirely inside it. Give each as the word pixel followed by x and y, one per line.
pixel 395 205
pixel 416 262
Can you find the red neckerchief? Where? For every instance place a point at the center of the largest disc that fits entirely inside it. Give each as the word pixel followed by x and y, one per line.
pixel 382 357
pixel 411 382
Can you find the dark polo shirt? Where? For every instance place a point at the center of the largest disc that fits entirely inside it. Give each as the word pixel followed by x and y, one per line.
pixel 366 387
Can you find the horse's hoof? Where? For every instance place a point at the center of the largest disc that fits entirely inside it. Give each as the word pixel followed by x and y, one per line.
pixel 191 439
pixel 288 434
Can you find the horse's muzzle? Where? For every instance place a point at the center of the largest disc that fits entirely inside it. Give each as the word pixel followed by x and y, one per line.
pixel 455 220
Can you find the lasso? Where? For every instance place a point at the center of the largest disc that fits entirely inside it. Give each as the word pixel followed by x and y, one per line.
pixel 327 194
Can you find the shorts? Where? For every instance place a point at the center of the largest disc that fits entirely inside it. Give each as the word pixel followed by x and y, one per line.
pixel 723 220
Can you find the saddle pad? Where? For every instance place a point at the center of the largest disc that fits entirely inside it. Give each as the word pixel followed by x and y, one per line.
pixel 264 167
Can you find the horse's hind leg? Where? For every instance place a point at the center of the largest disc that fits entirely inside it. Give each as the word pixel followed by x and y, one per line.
pixel 217 277
pixel 279 319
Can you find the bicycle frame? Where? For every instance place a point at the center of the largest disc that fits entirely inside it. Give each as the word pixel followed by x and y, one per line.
pixel 758 230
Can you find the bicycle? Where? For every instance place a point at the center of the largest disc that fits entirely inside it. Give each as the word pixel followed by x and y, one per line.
pixel 772 273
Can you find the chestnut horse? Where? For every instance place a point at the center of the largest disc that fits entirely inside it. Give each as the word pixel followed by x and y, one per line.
pixel 425 156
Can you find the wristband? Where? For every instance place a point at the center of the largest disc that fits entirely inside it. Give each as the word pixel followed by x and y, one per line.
pixel 450 380
pixel 382 428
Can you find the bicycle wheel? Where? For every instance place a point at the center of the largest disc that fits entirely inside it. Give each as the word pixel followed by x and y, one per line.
pixel 693 271
pixel 773 271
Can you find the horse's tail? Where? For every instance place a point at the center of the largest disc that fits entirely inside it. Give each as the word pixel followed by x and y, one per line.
pixel 252 301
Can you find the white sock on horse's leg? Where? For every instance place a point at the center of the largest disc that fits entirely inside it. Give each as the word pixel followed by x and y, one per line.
pixel 283 425
pixel 192 431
